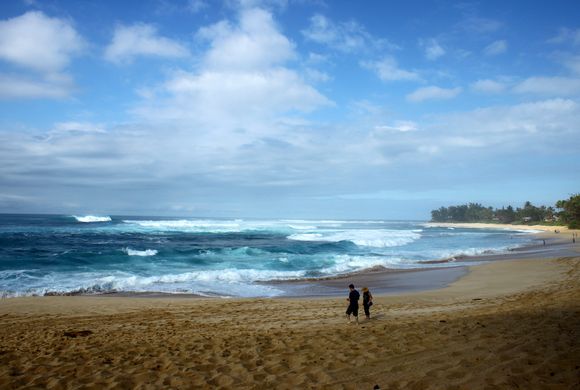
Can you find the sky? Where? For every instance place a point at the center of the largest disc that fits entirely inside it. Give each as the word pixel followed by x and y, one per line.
pixel 287 108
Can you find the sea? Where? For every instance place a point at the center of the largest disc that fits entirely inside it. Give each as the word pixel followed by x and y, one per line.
pixel 100 254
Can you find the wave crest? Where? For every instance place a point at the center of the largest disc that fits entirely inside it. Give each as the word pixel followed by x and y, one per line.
pixel 135 252
pixel 92 218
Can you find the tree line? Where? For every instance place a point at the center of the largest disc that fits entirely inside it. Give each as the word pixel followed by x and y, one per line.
pixel 564 212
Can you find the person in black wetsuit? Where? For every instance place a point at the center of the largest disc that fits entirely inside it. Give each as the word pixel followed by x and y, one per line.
pixel 352 299
pixel 367 301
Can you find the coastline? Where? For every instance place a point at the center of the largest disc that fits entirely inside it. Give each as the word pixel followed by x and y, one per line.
pixel 503 323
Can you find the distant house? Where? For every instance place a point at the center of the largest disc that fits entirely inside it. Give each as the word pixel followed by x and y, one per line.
pixel 527 219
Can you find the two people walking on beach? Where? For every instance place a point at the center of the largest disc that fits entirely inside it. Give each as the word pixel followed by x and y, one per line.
pixel 353 297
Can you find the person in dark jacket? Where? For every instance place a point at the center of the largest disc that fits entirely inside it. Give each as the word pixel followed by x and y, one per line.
pixel 367 301
pixel 352 299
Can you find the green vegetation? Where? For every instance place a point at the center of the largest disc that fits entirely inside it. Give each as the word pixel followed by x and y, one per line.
pixel 565 212
pixel 570 214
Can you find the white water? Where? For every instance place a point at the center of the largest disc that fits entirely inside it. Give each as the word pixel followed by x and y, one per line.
pixel 92 218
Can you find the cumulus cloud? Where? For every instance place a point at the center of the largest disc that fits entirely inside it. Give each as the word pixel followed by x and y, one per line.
pixel 433 93
pixel 553 86
pixel 488 86
pixel 432 49
pixel 254 44
pixel 243 93
pixel 388 70
pixel 38 42
pixel 495 48
pixel 41 47
pixel 141 40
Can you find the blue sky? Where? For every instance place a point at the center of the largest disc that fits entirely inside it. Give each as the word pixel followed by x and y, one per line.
pixel 303 109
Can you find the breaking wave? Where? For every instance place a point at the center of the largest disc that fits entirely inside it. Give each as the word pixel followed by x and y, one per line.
pixel 135 252
pixel 92 218
pixel 363 237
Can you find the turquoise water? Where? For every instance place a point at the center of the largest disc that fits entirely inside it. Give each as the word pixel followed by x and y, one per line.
pixel 60 254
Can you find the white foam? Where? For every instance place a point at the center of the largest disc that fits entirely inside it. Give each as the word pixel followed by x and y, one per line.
pixel 376 238
pixel 307 237
pixel 185 224
pixel 210 226
pixel 219 282
pixel 302 227
pixel 347 263
pixel 92 218
pixel 330 222
pixel 239 225
pixel 135 252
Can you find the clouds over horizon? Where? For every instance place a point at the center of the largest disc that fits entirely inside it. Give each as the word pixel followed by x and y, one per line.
pixel 250 105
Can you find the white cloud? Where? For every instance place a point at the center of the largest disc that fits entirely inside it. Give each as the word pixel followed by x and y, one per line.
pixel 496 48
pixel 388 70
pixel 255 44
pixel 242 91
pixel 141 40
pixel 347 37
pixel 554 86
pixel 433 93
pixel 38 42
pixel 488 86
pixel 432 49
pixel 42 48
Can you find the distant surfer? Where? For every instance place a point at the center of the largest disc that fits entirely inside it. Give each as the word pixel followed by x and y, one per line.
pixel 353 297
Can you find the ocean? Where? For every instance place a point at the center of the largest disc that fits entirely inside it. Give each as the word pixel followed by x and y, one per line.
pixel 64 254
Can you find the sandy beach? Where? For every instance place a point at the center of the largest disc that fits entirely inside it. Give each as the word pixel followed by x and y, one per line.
pixel 508 324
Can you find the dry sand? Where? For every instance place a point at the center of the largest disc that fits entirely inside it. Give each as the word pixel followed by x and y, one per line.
pixel 508 324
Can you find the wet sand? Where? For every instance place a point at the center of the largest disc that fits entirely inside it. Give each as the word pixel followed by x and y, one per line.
pixel 505 324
